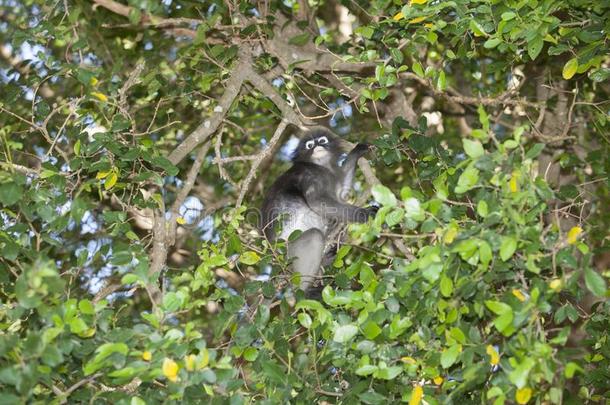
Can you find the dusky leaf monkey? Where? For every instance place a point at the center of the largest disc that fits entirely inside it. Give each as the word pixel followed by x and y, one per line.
pixel 310 197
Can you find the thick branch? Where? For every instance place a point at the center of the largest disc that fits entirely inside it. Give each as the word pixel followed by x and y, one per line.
pixel 158 253
pixel 308 56
pixel 264 87
pixel 209 126
pixel 151 20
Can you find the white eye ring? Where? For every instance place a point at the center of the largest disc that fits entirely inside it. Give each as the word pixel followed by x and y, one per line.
pixel 322 140
pixel 309 144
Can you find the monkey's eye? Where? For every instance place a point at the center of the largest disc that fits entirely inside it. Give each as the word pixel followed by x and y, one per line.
pixel 310 144
pixel 322 140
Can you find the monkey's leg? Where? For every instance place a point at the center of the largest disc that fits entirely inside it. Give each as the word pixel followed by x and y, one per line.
pixel 307 251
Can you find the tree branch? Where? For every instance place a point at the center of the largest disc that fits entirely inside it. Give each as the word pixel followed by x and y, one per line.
pixel 264 154
pixel 209 126
pixel 184 192
pixel 267 89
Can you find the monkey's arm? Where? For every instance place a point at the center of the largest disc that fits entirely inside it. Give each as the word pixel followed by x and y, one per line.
pixel 349 168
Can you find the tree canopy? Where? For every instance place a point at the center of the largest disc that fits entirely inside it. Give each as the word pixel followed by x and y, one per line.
pixel 138 138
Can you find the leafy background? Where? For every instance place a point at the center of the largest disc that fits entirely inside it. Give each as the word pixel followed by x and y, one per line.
pixel 138 138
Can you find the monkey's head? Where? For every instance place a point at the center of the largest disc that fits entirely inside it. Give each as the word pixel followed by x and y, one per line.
pixel 319 146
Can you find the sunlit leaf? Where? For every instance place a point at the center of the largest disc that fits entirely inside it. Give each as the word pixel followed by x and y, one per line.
pixel 569 69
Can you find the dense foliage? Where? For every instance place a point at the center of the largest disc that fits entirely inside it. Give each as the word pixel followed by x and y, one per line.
pixel 138 137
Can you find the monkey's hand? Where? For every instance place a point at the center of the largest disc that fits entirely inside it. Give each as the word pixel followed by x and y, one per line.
pixel 360 149
pixel 365 213
pixel 372 210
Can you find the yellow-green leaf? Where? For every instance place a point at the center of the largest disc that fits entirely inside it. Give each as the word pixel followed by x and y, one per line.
pixel 416 395
pixel 418 2
pixel 417 19
pixel 573 234
pixel 523 395
pixel 494 357
pixel 170 369
pixel 555 284
pixel 100 96
pixel 110 180
pixel 519 295
pixel 249 258
pixel 189 362
pixel 102 175
pixel 569 69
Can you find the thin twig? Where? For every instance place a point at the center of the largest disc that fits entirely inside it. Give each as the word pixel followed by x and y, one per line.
pixel 262 156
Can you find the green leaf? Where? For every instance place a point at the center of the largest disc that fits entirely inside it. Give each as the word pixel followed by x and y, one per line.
pixel 249 258
pixel 474 149
pixel 503 323
pixel 103 352
pixel 534 47
pixel 492 43
pixel 458 335
pixel 388 373
pixel 570 68
pixel 172 301
pixel 520 373
pixel 485 253
pixel 450 355
pixel 498 307
pixel 397 55
pixel 304 319
pixel 371 330
pixel 76 148
pixel 595 283
pixel 477 29
pixel 86 307
pixel 508 15
pixel 441 83
pixel 417 68
pixel 365 370
pixel 508 247
pixel 446 286
pixel 571 369
pixel 78 326
pixel 250 354
pixel 394 217
pixel 384 195
pixel 366 31
pixel 10 193
pixel 467 180
pixel 482 208
pixel 534 151
pixel 345 333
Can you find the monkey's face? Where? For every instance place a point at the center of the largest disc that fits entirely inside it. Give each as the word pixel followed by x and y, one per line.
pixel 318 148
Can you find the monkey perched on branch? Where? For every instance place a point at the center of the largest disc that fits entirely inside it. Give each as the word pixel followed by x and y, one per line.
pixel 310 197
